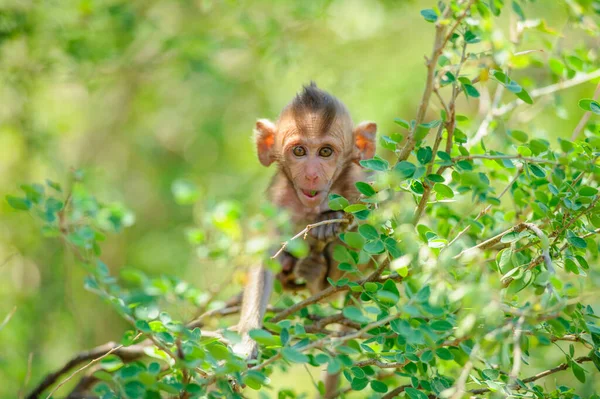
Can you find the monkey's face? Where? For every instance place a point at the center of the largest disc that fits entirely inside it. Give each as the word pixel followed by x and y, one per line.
pixel 312 163
pixel 314 142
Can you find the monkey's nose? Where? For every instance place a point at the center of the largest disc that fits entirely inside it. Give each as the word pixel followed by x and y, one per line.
pixel 311 178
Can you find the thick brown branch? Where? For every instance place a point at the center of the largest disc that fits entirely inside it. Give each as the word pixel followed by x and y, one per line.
pixel 441 39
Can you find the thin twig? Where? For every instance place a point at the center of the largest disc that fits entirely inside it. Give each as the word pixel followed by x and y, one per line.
pixel 537 376
pixel 492 241
pixel 305 231
pixel 586 116
pixel 27 376
pixel 8 317
pixel 92 362
pixel 544 91
pixel 545 245
pixel 486 209
pixel 493 157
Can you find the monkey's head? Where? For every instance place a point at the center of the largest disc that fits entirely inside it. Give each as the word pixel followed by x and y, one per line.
pixel 314 142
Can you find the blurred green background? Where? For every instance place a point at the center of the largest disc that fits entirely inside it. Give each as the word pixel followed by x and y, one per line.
pixel 143 94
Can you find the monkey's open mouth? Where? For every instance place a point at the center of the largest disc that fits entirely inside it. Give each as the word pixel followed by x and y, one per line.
pixel 310 193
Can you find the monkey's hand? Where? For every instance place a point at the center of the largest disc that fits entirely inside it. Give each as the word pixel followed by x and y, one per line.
pixel 287 275
pixel 313 269
pixel 327 232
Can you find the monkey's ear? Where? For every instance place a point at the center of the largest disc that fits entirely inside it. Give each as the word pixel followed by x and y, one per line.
pixel 264 134
pixel 364 140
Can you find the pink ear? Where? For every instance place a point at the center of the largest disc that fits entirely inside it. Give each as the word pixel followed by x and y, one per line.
pixel 264 134
pixel 364 139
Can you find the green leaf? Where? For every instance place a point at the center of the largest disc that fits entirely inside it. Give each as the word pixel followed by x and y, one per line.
pixel 264 337
pixel 294 356
pixel 537 171
pixel 143 326
pixel 577 241
pixel 355 314
pixel 53 185
pixel 429 15
pixel 596 358
pixel 524 95
pixel 471 38
pixel 111 363
pixel 346 267
pixel 358 384
pixel 518 10
pixel 471 91
pixel 588 191
pixel 417 187
pixel 379 386
pixel 21 204
pixel 374 247
pixel 556 66
pixel 490 374
pixel 444 156
pixel 510 237
pixel 369 232
pixel 442 325
pixel 33 192
pixel 365 189
pixel 415 393
pixel 354 240
pixel 435 178
pixel 444 354
pixel 405 169
pixel 355 208
pixel 376 163
pixel 589 104
pixel 402 123
pixel 518 135
pixel 578 372
pixel 424 155
pixel 443 190
pixel 337 202
pixel 185 192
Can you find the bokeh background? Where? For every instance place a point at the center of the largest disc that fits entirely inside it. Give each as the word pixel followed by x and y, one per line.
pixel 146 96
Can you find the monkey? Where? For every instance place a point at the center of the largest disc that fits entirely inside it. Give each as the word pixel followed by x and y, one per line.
pixel 317 150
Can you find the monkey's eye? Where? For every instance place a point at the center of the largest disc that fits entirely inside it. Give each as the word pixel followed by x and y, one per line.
pixel 325 152
pixel 299 151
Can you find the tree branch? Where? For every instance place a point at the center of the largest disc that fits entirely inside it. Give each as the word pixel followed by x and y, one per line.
pixel 440 41
pixel 544 91
pixel 128 353
pixel 492 241
pixel 305 231
pixel 537 376
pixel 586 116
pixel 333 290
pixel 493 157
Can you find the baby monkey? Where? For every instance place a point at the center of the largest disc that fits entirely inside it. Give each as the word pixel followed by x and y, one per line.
pixel 317 150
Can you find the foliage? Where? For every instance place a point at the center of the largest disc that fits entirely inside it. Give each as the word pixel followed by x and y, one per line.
pixel 483 234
